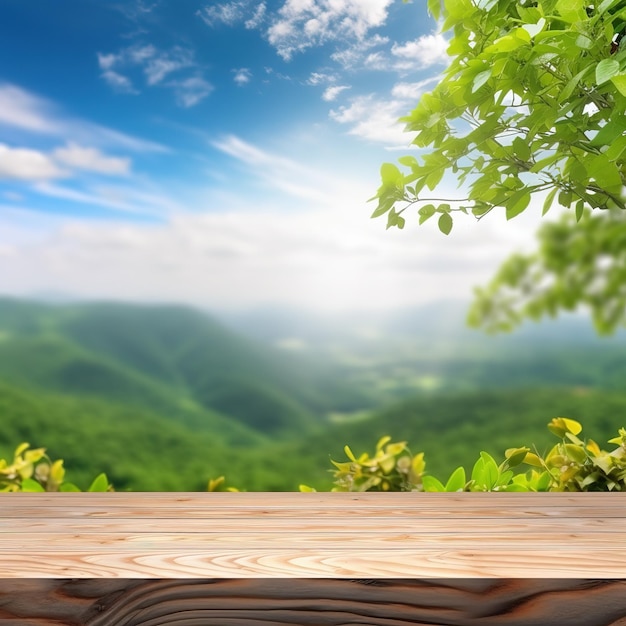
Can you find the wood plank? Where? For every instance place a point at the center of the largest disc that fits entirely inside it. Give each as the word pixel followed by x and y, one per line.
pixel 306 602
pixel 336 524
pixel 438 561
pixel 313 535
pixel 17 542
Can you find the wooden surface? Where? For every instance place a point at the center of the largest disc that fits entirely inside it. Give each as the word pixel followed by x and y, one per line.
pixel 318 602
pixel 313 535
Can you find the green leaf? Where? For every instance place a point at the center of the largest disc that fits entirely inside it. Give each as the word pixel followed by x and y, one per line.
pixel 434 8
pixel 605 172
pixel 68 487
pixel 605 5
pixel 480 79
pixel 478 473
pixel 31 486
pixel 561 425
pixel 508 43
pixel 515 456
pixel 521 149
pixel 425 212
pixel 99 484
pixel 620 82
pixel 383 207
pixel 409 161
pixel 491 471
pixel 580 207
pixel 430 483
pixel 445 223
pixel 610 132
pixel 517 203
pixel 575 453
pixel 606 70
pixel 457 480
pixel 390 174
pixel 548 201
pixel 572 10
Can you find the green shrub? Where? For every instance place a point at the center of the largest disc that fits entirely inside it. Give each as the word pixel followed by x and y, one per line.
pixel 33 470
pixel 573 464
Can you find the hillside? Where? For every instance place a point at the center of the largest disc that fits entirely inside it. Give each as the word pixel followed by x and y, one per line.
pixel 452 429
pixel 430 350
pixel 166 397
pixel 143 451
pixel 173 360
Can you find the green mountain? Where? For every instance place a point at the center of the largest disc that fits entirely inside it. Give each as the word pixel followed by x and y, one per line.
pixel 166 397
pixel 173 360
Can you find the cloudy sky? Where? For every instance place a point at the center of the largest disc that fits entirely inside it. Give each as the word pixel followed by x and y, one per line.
pixel 221 154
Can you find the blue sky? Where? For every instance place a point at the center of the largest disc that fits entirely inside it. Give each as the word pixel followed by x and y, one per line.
pixel 220 154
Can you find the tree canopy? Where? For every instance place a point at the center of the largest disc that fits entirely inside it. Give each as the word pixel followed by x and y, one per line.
pixel 530 108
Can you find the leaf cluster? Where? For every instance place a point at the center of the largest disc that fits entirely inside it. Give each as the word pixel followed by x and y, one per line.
pixel 575 264
pixel 531 105
pixel 32 470
pixel 571 465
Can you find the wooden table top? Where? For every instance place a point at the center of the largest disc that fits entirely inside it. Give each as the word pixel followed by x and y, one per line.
pixel 313 535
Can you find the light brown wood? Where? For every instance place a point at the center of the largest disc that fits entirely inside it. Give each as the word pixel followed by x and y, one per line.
pixel 313 535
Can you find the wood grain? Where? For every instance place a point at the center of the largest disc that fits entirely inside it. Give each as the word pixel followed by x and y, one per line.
pixel 313 535
pixel 316 602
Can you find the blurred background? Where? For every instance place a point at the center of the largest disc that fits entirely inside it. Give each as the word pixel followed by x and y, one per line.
pixel 191 285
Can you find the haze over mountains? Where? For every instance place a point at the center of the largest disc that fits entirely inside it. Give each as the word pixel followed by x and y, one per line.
pixel 164 397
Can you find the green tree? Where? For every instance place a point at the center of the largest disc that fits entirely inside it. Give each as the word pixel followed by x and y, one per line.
pixel 531 107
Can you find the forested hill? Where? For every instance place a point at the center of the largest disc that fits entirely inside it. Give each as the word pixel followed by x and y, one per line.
pixel 171 359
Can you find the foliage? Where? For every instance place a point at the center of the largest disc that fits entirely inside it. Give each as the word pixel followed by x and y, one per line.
pixel 392 468
pixel 530 108
pixel 572 266
pixel 531 105
pixel 571 465
pixel 32 470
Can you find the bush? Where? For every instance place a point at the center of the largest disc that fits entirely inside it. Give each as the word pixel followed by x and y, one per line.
pixel 572 464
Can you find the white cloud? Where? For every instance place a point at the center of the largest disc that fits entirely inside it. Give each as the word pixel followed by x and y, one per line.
pixel 91 159
pixel 190 91
pixel 319 78
pixel 228 13
pixel 258 17
pixel 302 24
pixel 277 172
pixel 321 259
pixel 242 76
pixel 423 52
pixel 353 55
pixel 157 66
pixel 377 61
pixel 23 110
pixel 26 164
pixel 412 91
pixel 140 54
pixel 331 93
pixel 107 61
pixel 114 198
pixel 118 82
pixel 373 119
